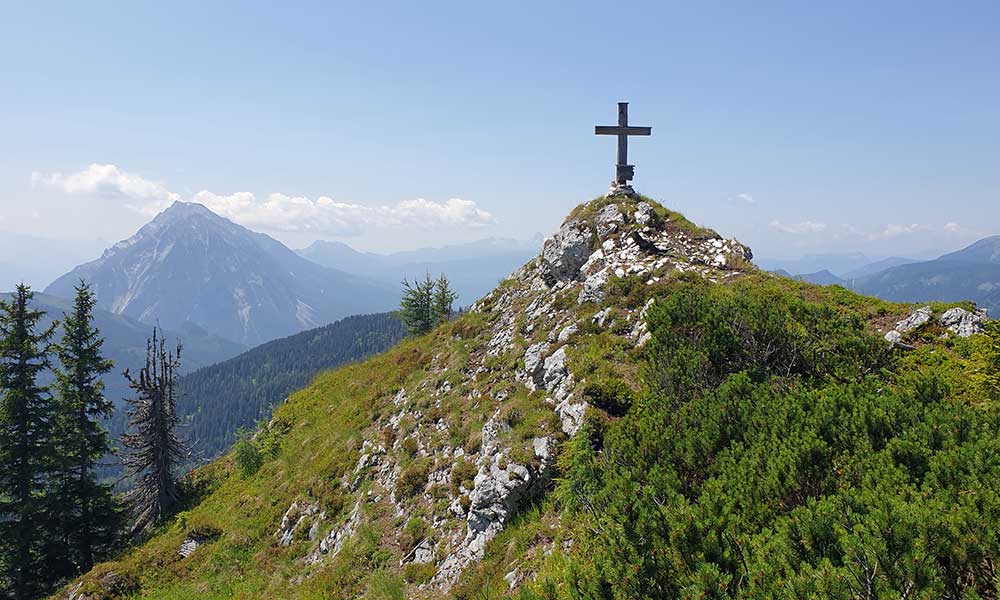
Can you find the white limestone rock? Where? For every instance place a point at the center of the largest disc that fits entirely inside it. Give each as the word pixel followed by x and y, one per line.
pixel 567 332
pixel 608 220
pixel 297 515
pixel 533 362
pixel 334 541
pixel 188 546
pixel 644 214
pixel 554 371
pixel 571 415
pixel 593 287
pixel 963 323
pixel 424 552
pixel 565 252
pixel 915 320
pixel 496 494
pixel 601 316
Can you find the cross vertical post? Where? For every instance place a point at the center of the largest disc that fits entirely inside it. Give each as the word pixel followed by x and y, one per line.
pixel 622 138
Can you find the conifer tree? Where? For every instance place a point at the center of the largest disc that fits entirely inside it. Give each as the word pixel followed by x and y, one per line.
pixel 154 450
pixel 88 514
pixel 444 297
pixel 416 309
pixel 26 447
pixel 426 303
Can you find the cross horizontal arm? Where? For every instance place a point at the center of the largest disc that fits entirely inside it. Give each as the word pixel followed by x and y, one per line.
pixel 617 130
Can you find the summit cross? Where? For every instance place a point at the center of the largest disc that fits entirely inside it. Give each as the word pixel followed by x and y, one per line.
pixel 624 172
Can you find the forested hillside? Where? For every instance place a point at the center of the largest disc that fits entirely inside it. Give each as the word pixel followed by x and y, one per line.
pixel 220 399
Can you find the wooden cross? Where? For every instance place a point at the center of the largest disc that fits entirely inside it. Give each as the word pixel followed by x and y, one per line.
pixel 623 171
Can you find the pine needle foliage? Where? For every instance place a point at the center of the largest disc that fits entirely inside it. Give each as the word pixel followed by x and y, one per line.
pixel 27 429
pixel 444 298
pixel 425 303
pixel 88 513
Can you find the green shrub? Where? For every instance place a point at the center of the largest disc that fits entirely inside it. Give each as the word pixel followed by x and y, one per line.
pixel 247 454
pixel 611 395
pixel 463 473
pixel 414 532
pixel 385 585
pixel 986 362
pixel 419 573
pixel 780 455
pixel 474 442
pixel 412 479
pixel 410 446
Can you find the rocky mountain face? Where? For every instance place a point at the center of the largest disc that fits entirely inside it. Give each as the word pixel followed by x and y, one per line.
pixel 191 266
pixel 438 443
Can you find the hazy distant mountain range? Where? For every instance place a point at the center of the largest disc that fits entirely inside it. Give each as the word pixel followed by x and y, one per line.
pixel 972 273
pixel 473 268
pixel 191 266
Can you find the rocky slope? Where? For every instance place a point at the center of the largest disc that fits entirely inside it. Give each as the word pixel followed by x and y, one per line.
pixel 189 265
pixel 405 468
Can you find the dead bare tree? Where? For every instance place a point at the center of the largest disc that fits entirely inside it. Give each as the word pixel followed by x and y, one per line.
pixel 154 451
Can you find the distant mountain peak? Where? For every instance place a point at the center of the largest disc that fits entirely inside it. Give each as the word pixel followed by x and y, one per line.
pixel 984 251
pixel 188 212
pixel 191 266
pixel 181 208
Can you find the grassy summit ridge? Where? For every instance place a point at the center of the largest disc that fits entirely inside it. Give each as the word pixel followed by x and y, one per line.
pixel 639 391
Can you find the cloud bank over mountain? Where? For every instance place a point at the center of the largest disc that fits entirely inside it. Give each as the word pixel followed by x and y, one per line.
pixel 276 211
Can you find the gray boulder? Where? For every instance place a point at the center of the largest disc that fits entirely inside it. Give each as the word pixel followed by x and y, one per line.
pixel 964 323
pixel 915 320
pixel 533 361
pixel 644 214
pixel 565 252
pixel 424 552
pixel 593 287
pixel 608 219
pixel 554 371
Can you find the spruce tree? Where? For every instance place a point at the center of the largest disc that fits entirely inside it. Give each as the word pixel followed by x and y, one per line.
pixel 154 452
pixel 26 448
pixel 416 309
pixel 88 512
pixel 444 297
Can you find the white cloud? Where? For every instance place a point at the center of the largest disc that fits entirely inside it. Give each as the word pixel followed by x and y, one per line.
pixel 280 212
pixel 954 228
pixel 893 230
pixel 108 181
pixel 804 227
pixel 743 199
pixel 275 212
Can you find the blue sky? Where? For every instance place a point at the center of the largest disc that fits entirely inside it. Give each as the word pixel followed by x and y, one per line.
pixel 794 127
